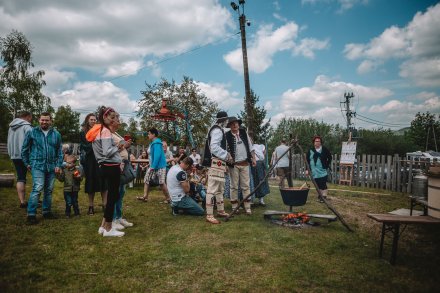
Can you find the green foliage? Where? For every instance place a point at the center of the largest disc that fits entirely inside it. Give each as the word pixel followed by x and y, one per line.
pixel 384 142
pixel 19 88
pixel 184 98
pixel 424 128
pixel 261 127
pixel 304 130
pixel 66 121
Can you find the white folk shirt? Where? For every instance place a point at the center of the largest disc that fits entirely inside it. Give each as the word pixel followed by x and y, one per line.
pixel 215 145
pixel 196 159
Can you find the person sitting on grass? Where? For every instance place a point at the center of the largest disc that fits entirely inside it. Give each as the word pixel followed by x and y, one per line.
pixel 179 187
pixel 71 176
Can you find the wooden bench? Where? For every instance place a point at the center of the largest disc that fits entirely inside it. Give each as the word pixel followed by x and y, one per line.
pixel 7 180
pixel 391 224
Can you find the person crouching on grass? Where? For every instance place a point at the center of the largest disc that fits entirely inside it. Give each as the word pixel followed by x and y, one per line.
pixel 179 188
pixel 107 154
pixel 71 176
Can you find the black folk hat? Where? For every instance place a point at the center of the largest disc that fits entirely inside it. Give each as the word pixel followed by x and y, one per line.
pixel 222 116
pixel 234 119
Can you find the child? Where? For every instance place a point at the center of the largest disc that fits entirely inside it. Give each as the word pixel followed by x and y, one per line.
pixel 71 176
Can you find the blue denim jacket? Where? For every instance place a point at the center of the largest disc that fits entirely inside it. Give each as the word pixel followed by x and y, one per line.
pixel 42 152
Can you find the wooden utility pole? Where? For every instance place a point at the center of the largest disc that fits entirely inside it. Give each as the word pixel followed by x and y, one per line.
pixel 247 87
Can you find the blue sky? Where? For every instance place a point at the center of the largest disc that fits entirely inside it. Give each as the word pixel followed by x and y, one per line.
pixel 303 55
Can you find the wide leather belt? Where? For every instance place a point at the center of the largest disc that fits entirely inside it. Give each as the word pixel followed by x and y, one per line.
pixel 242 163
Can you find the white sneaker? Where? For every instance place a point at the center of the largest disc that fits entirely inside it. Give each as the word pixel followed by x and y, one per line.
pixel 116 225
pixel 125 223
pixel 113 233
pixel 101 230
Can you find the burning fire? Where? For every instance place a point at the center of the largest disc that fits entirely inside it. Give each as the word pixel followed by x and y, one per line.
pixel 296 218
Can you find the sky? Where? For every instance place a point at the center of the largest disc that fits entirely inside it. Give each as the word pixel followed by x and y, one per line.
pixel 304 55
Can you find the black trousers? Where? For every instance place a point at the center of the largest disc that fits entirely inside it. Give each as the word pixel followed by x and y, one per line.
pixel 112 174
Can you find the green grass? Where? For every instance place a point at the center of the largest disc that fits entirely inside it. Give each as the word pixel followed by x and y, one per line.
pixel 162 253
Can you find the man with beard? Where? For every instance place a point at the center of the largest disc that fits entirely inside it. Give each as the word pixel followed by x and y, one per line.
pixel 43 157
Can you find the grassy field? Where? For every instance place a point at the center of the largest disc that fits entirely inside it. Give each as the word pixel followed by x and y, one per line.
pixel 162 253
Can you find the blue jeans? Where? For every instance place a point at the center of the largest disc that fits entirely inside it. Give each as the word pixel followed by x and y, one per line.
pixel 71 199
pixel 41 180
pixel 189 206
pixel 118 203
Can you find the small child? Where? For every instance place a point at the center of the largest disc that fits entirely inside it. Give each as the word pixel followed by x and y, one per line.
pixel 71 176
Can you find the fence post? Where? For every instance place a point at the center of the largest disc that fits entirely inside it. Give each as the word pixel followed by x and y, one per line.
pixel 410 177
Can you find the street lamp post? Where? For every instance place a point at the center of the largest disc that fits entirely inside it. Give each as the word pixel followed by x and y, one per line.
pixel 247 86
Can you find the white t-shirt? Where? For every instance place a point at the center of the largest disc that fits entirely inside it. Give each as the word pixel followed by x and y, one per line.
pixel 196 159
pixel 279 151
pixel 175 176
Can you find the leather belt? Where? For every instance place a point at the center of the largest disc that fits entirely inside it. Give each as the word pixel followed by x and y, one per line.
pixel 242 163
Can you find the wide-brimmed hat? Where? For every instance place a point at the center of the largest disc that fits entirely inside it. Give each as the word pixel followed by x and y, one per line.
pixel 234 119
pixel 222 116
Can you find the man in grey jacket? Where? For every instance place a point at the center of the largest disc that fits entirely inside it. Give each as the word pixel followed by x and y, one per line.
pixel 16 134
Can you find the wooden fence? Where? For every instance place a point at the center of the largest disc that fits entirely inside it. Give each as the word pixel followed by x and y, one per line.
pixel 373 171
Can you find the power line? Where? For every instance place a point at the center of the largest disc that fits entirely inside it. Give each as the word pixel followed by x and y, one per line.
pixel 382 122
pixel 379 124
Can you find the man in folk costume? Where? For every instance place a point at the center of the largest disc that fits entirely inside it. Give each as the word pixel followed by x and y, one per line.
pixel 242 151
pixel 215 158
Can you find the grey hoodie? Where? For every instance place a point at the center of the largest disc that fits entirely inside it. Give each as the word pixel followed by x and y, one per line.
pixel 17 131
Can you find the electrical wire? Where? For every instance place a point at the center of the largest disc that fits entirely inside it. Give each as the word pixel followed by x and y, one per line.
pixel 379 124
pixel 382 122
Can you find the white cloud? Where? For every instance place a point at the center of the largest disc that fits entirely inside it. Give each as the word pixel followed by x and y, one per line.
pixel 220 94
pixel 403 112
pixel 319 100
pixel 343 5
pixel 417 44
pixel 126 68
pixel 56 80
pixel 269 41
pixel 268 106
pixel 102 35
pixel 307 47
pixel 89 95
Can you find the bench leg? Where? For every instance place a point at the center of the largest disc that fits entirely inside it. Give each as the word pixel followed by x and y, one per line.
pixel 381 239
pixel 396 228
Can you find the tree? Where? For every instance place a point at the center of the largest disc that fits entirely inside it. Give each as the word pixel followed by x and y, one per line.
pixel 425 131
pixel 261 128
pixel 67 123
pixel 196 112
pixel 304 130
pixel 19 88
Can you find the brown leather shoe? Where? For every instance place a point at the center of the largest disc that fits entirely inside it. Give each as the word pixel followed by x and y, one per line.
pixel 222 214
pixel 212 220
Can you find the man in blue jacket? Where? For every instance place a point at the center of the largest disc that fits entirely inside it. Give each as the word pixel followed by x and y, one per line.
pixel 16 134
pixel 158 166
pixel 43 157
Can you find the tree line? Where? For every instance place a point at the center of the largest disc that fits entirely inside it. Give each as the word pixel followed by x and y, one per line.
pixel 21 89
